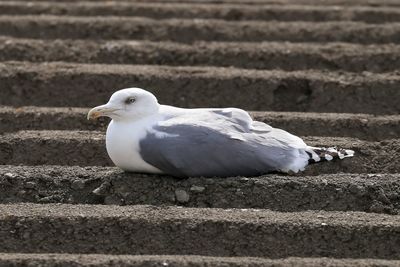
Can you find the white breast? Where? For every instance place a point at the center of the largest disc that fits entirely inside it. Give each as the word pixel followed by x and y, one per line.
pixel 122 142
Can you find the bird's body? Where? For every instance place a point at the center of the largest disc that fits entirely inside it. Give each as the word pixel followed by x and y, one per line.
pixel 154 138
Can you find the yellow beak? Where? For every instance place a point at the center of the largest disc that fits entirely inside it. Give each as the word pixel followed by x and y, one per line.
pixel 100 111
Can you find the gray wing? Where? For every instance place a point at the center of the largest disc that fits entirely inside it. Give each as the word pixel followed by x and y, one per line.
pixel 217 143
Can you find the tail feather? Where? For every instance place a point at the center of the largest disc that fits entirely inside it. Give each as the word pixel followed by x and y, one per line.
pixel 319 154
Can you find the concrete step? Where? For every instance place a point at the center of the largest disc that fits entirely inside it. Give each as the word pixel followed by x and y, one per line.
pixel 205 11
pixel 377 193
pixel 100 260
pixel 372 3
pixel 263 55
pixel 82 85
pixel 362 126
pixel 189 30
pixel 86 148
pixel 36 228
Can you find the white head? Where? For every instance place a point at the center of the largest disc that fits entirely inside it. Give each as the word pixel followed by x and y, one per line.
pixel 127 105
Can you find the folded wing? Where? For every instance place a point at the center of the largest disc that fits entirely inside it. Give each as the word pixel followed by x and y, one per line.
pixel 221 143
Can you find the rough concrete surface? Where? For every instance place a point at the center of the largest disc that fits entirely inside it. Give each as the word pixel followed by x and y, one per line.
pixel 60 84
pixel 47 260
pixel 87 148
pixel 205 11
pixel 260 55
pixel 378 193
pixel 172 230
pixel 373 3
pixel 188 30
pixel 335 58
pixel 362 126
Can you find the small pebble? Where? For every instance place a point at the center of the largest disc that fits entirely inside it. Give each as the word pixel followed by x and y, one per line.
pixel 10 175
pixel 374 175
pixel 30 185
pixel 97 191
pixel 48 199
pixel 198 189
pixel 78 184
pixel 244 180
pixel 181 196
pixel 103 189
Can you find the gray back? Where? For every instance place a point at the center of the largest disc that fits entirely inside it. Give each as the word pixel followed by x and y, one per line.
pixel 210 148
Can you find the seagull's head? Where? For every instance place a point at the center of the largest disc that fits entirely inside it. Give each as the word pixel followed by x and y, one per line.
pixel 127 105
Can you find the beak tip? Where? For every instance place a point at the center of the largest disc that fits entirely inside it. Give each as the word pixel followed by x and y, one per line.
pixel 99 111
pixel 91 115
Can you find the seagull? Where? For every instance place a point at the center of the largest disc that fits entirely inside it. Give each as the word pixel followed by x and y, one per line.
pixel 147 137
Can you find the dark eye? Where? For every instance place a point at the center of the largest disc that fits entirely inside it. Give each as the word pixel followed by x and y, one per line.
pixel 130 100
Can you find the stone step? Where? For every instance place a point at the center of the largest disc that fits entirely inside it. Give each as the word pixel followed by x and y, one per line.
pixel 362 126
pixel 377 193
pixel 36 228
pixel 189 30
pixel 102 260
pixel 263 55
pixel 205 11
pixel 84 85
pixel 372 3
pixel 87 148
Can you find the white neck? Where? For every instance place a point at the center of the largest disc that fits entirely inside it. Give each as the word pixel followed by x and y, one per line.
pixel 122 142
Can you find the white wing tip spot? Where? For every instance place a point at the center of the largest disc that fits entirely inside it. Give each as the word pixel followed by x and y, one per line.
pixel 350 153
